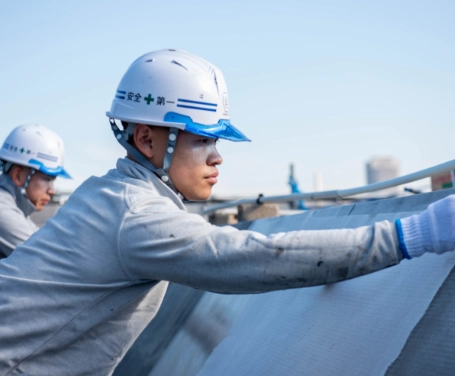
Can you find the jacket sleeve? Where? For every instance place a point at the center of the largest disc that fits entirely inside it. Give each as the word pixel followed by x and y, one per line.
pixel 15 229
pixel 182 248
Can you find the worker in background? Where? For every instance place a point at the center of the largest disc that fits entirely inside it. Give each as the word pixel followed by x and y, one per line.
pixel 31 158
pixel 75 298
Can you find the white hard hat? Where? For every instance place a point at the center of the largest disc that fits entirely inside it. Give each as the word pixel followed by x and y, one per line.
pixel 35 146
pixel 175 89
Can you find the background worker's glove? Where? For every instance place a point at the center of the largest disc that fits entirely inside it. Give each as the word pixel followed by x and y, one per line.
pixel 430 231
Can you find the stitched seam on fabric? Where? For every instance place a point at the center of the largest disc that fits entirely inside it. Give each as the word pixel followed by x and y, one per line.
pixel 119 254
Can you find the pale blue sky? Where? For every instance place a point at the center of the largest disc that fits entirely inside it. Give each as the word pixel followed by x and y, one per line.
pixel 323 84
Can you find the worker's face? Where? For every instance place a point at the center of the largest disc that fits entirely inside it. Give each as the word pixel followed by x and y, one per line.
pixel 194 170
pixel 40 189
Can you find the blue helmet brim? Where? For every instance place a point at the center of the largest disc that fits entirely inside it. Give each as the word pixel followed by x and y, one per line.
pixel 223 129
pixel 58 171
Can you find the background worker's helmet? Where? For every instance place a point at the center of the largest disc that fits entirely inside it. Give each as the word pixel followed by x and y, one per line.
pixel 35 146
pixel 175 89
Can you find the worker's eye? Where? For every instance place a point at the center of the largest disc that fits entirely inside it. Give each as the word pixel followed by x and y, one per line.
pixel 208 141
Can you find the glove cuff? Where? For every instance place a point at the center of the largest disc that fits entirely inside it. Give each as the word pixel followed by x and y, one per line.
pixel 403 248
pixel 415 233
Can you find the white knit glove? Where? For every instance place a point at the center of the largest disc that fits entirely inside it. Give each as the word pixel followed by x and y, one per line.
pixel 431 231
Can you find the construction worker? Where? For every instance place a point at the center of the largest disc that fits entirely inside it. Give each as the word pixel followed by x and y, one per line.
pixel 74 298
pixel 31 158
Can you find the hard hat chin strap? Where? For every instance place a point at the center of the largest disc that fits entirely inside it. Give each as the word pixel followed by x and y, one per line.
pixel 162 173
pixel 5 166
pixel 27 181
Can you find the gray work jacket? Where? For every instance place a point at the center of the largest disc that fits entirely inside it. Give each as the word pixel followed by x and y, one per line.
pixel 15 223
pixel 77 294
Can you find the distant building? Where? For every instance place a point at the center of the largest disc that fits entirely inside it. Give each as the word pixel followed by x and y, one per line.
pixel 381 169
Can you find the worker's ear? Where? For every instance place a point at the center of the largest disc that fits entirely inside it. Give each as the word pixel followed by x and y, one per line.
pixel 18 175
pixel 146 139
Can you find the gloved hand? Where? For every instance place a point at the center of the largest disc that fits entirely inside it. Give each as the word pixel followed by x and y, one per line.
pixel 433 230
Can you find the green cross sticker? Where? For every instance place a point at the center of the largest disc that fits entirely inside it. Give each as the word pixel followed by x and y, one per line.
pixel 22 150
pixel 149 99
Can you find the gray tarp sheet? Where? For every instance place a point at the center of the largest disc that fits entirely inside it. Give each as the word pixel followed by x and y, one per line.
pixel 400 321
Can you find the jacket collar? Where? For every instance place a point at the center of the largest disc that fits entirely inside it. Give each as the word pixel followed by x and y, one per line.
pixel 137 171
pixel 22 202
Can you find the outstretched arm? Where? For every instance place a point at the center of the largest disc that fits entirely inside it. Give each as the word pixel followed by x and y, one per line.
pixel 183 248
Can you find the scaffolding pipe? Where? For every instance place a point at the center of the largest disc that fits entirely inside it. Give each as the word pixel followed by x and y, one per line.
pixel 325 195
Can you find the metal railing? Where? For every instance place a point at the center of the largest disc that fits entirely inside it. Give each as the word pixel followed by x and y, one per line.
pixel 443 167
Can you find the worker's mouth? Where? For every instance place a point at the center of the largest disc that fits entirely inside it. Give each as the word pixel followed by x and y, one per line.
pixel 212 178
